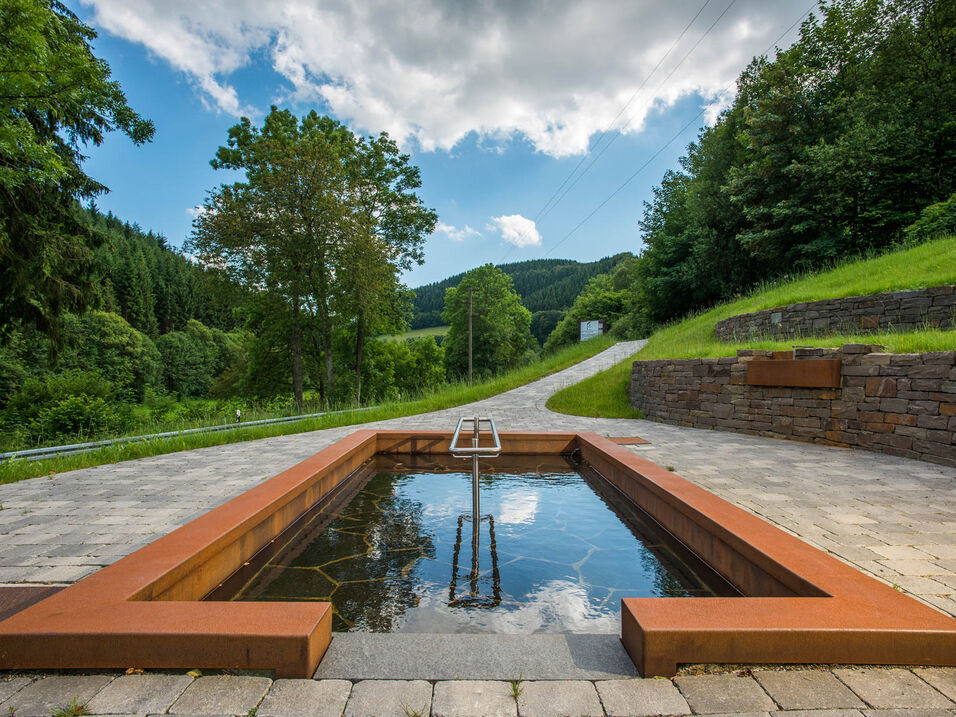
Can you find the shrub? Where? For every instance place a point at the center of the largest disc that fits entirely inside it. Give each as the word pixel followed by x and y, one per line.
pixel 934 221
pixel 76 416
pixel 103 342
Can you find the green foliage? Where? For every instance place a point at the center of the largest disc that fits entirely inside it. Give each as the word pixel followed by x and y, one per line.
pixel 500 326
pixel 76 416
pixel 155 288
pixel 105 343
pixel 929 264
pixel 55 406
pixel 446 396
pixel 830 150
pixel 543 323
pixel 935 221
pixel 319 228
pixel 185 364
pixel 74 709
pixel 542 284
pixel 56 98
pixel 425 369
pixel 605 297
pixel 194 358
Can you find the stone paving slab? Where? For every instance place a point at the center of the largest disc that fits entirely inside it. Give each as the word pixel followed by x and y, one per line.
pixel 615 698
pixel 806 689
pixel 474 698
pixel 305 698
pixel 942 678
pixel 641 698
pixel 909 713
pixel 139 694
pixel 559 698
pixel 10 686
pixel 892 688
pixel 714 694
pixel 818 713
pixel 389 698
pixel 405 656
pixel 221 694
pixel 40 698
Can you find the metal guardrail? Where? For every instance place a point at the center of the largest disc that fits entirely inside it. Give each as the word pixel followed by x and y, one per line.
pixel 74 448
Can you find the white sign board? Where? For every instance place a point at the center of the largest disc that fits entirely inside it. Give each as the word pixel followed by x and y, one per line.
pixel 590 329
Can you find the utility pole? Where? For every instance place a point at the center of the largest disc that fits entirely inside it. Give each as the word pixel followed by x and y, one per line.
pixel 470 292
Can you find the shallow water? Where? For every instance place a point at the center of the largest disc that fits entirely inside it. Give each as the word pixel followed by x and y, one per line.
pixel 553 554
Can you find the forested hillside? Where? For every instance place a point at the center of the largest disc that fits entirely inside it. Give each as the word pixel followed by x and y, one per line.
pixel 543 285
pixel 153 286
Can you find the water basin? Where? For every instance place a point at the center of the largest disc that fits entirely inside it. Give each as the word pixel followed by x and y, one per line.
pixel 392 551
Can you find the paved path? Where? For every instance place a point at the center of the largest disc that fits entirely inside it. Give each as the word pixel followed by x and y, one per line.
pixel 840 692
pixel 891 517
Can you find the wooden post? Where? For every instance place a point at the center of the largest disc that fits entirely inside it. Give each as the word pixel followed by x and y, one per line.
pixel 470 292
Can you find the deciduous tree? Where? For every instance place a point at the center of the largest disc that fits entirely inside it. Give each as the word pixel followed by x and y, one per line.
pixel 501 335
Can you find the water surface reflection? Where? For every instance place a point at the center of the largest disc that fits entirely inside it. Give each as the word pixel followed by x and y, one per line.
pixel 557 550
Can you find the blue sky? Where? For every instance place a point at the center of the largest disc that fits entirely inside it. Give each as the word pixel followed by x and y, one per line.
pixel 497 103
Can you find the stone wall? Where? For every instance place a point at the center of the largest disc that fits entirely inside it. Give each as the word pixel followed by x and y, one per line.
pixel 900 404
pixel 895 311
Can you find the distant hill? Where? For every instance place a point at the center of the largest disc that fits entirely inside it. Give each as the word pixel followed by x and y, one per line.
pixel 542 284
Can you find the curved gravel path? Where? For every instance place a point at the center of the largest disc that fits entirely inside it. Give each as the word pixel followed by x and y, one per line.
pixel 894 518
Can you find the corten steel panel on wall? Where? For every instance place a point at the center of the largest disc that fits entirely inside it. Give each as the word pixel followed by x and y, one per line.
pixel 805 373
pixel 802 605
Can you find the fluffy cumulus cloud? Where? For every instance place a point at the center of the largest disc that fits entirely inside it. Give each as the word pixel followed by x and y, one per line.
pixel 433 71
pixel 516 229
pixel 453 232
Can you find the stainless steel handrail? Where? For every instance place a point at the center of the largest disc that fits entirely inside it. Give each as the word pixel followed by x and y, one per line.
pixel 475 449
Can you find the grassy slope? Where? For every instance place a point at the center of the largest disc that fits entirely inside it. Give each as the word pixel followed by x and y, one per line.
pixel 455 395
pixel 415 333
pixel 930 264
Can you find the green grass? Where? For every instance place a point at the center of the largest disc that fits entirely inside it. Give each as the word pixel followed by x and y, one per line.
pixel 453 395
pixel 929 264
pixel 415 333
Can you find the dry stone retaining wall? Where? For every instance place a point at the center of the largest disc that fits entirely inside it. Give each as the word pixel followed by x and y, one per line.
pixel 900 404
pixel 894 311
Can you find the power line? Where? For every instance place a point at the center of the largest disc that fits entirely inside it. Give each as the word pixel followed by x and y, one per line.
pixel 668 143
pixel 598 156
pixel 544 209
pixel 624 108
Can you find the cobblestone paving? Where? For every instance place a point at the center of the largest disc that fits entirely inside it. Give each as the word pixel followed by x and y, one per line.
pixel 842 692
pixel 891 517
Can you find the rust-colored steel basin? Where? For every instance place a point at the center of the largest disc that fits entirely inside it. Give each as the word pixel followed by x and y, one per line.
pixel 801 604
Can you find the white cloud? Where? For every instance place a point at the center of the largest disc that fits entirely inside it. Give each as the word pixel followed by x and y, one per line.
pixel 197 211
pixel 433 71
pixel 453 232
pixel 516 229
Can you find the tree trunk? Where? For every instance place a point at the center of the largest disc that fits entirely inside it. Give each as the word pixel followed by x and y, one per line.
pixel 297 358
pixel 326 330
pixel 323 389
pixel 359 343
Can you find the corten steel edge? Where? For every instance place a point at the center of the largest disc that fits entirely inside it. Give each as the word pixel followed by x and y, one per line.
pixel 801 605
pixel 144 610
